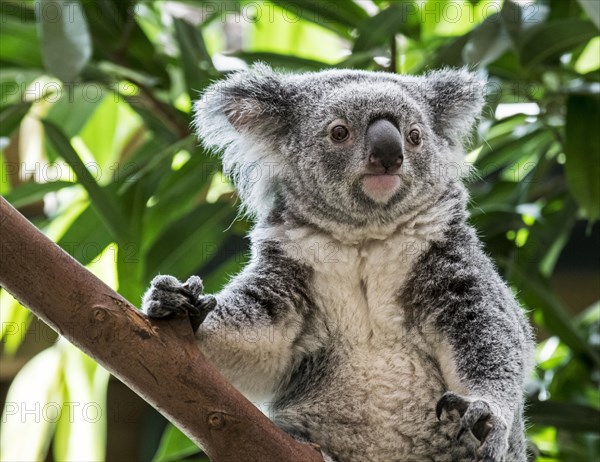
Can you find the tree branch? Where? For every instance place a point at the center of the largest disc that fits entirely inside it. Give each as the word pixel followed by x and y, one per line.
pixel 159 360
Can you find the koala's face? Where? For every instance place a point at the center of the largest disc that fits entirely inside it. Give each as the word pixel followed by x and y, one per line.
pixel 340 147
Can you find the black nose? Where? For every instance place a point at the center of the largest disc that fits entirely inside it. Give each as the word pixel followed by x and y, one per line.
pixel 384 146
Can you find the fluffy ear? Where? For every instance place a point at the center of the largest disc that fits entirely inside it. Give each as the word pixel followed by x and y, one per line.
pixel 253 102
pixel 455 98
pixel 243 117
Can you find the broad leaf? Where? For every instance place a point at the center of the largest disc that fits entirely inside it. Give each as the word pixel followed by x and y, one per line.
pixel 197 64
pixel 381 28
pixel 592 8
pixel 549 40
pixel 105 204
pixel 65 37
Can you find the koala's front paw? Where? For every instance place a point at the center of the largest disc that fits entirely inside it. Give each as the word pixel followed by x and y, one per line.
pixel 478 417
pixel 167 297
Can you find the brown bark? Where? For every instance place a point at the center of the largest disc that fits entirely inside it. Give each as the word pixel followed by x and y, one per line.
pixel 159 360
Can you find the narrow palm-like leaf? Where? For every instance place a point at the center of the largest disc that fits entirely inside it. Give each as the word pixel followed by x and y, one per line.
pixel 566 416
pixel 11 117
pixel 198 67
pixel 556 318
pixel 27 193
pixel 582 147
pixel 107 206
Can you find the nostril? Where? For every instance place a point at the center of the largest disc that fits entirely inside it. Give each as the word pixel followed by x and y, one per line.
pixel 387 161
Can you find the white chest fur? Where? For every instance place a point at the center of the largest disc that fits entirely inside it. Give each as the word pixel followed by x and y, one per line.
pixel 383 379
pixel 357 285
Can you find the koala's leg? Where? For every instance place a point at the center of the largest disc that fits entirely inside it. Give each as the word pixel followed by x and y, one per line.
pixel 484 356
pixel 250 329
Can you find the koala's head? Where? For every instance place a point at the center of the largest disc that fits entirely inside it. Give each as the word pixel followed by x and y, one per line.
pixel 340 147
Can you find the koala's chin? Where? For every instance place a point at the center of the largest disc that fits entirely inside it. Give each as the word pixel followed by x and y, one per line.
pixel 380 188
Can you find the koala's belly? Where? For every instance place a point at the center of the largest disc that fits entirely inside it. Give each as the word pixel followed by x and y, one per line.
pixel 379 405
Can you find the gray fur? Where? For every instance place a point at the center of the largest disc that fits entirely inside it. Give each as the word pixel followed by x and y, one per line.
pixel 358 312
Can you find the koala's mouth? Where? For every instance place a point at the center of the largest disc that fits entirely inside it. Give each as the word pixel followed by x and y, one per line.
pixel 380 187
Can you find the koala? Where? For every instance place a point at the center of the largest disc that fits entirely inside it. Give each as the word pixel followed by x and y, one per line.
pixel 369 319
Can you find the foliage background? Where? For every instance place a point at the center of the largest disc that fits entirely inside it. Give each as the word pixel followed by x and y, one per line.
pixel 97 151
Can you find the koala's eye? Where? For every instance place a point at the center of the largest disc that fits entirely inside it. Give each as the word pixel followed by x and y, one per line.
pixel 414 137
pixel 339 133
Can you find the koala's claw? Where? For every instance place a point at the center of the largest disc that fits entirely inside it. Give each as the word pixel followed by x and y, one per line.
pixel 168 297
pixel 478 417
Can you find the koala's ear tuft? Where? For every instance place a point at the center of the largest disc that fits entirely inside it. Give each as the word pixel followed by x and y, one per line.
pixel 256 101
pixel 455 98
pixel 245 117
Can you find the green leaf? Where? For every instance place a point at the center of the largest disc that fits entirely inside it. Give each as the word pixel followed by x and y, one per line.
pixel 450 53
pixel 107 206
pixel 14 323
pixel 487 42
pixel 549 40
pixel 84 415
pixel 582 148
pixel 76 105
pixel 198 67
pixel 378 30
pixel 279 60
pixel 66 41
pixel 174 446
pixel 10 118
pixel 27 193
pixel 189 241
pixel 118 38
pixel 23 11
pixel 592 8
pixel 19 44
pixel 339 16
pixel 36 384
pixel 86 238
pixel 151 157
pixel 537 294
pixel 566 416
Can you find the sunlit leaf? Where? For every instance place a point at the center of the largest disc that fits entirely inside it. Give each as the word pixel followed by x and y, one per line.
pixel 174 446
pixel 339 16
pixel 107 207
pixel 32 408
pixel 14 321
pixel 81 429
pixel 27 193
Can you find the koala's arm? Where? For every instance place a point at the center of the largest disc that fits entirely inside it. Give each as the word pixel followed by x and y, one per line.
pixel 251 332
pixel 481 341
pixel 485 355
